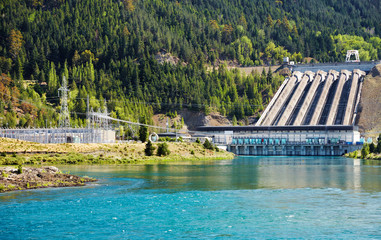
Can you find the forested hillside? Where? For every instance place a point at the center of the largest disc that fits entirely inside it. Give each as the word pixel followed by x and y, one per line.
pixel 109 50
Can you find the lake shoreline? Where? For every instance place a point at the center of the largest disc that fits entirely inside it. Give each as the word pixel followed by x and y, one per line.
pixel 23 178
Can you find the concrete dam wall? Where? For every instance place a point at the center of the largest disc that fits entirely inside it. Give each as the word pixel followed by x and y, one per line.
pixel 312 114
pixel 315 98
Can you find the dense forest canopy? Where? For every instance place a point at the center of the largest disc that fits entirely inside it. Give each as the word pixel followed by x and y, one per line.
pixel 109 49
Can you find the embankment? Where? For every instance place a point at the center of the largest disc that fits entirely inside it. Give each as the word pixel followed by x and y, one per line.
pixel 370 106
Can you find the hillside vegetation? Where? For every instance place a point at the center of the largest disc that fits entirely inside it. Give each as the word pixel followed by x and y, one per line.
pixel 108 49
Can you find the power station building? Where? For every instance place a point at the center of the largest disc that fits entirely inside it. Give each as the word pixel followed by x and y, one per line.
pixel 312 113
pixel 286 140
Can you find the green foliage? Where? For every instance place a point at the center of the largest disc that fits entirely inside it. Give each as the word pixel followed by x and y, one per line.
pixel 19 169
pixel 143 132
pixel 3 174
pixel 150 149
pixel 167 139
pixel 162 149
pixel 108 50
pixel 234 120
pixel 365 151
pixel 378 149
pixel 198 141
pixel 368 50
pixel 208 145
pixel 192 152
pixel 372 148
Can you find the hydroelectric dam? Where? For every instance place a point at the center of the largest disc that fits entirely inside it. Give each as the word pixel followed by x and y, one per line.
pixel 313 113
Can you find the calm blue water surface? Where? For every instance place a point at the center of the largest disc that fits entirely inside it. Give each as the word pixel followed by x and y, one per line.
pixel 244 198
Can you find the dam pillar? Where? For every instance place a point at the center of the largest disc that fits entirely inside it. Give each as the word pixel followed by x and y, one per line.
pixel 293 150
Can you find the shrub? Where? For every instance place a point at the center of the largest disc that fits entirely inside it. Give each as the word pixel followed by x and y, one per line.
pixel 192 152
pixel 378 149
pixel 372 148
pixel 198 140
pixel 4 174
pixel 365 151
pixel 149 150
pixel 3 154
pixel 19 169
pixel 208 145
pixel 163 150
pixel 167 139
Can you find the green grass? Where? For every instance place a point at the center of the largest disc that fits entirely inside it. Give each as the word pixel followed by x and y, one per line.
pixel 117 153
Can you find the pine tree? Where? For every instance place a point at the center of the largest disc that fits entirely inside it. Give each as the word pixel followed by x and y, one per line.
pixel 378 150
pixel 149 150
pixel 234 121
pixel 208 145
pixel 143 131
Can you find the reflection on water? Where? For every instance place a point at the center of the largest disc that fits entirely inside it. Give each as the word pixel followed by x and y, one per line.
pixel 244 198
pixel 248 173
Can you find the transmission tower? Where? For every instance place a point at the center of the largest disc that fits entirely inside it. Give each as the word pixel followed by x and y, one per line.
pixel 105 123
pixel 64 120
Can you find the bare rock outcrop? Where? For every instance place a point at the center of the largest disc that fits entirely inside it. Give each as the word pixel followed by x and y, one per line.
pixel 370 106
pixel 30 177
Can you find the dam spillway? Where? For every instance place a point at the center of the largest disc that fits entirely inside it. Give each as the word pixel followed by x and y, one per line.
pixel 299 103
pixel 313 113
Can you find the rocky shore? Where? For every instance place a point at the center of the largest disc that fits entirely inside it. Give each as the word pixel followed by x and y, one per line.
pixel 13 178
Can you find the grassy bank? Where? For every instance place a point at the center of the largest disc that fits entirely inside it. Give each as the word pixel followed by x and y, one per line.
pixel 368 156
pixel 371 156
pixel 13 152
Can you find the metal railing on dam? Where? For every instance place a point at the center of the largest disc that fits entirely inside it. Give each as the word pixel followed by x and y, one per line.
pixel 338 66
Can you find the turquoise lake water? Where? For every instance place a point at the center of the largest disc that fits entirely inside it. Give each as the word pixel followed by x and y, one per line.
pixel 244 198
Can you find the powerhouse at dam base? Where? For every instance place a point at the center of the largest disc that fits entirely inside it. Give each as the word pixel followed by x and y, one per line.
pixel 287 140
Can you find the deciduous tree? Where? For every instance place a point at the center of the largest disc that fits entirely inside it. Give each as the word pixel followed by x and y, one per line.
pixel 15 43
